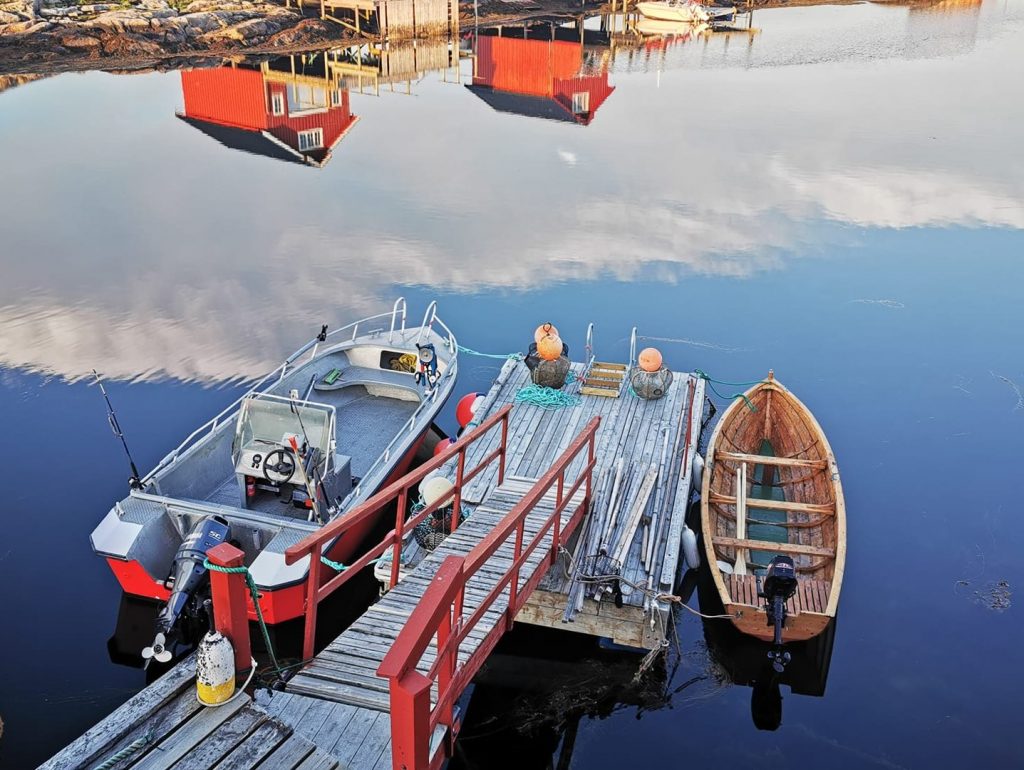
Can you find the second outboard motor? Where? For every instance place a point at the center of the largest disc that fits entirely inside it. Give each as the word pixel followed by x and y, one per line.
pixel 779 585
pixel 189 574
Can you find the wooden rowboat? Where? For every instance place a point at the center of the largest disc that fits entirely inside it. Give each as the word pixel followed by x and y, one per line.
pixel 771 487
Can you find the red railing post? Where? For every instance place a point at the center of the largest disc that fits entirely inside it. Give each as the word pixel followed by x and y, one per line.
pixel 557 526
pixel 312 601
pixel 396 548
pixel 230 614
pixel 591 457
pixel 513 586
pixel 445 670
pixel 504 448
pixel 410 722
pixel 457 501
pixel 457 611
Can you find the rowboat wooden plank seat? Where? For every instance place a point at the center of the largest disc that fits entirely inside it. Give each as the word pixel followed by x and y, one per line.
pixel 772 499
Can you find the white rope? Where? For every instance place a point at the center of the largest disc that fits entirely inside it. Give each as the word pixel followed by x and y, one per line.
pixel 252 673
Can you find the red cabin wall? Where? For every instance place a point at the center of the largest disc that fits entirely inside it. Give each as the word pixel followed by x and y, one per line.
pixel 229 96
pixel 526 66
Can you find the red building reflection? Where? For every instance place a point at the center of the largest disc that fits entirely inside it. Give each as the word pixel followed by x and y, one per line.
pixel 271 110
pixel 539 72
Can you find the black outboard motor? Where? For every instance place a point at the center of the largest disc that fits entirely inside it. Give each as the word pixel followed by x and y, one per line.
pixel 779 585
pixel 189 575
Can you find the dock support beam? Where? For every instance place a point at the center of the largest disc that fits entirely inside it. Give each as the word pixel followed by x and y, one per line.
pixel 230 614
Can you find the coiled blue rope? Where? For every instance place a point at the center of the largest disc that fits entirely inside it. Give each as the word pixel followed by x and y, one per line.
pixel 546 398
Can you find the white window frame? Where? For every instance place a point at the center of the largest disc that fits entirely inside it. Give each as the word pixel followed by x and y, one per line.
pixel 311 139
pixel 277 103
pixel 580 102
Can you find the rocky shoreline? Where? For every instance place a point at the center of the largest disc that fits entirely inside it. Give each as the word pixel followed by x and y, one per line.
pixel 55 36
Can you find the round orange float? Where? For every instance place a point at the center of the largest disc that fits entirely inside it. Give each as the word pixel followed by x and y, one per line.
pixel 650 359
pixel 549 347
pixel 543 331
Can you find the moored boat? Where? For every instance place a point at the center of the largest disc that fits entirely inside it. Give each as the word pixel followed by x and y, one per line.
pixel 773 516
pixel 340 418
pixel 683 11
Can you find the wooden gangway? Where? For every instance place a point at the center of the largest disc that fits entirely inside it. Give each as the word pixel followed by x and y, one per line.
pixel 346 670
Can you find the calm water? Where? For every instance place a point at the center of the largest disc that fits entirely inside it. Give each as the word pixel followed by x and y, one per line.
pixel 840 197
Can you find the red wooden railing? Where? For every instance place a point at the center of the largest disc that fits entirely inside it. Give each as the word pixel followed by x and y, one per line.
pixel 439 614
pixel 313 545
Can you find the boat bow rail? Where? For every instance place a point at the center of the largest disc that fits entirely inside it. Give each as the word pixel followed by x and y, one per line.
pixel 397 318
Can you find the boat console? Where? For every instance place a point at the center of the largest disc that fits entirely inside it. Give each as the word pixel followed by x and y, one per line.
pixel 286 447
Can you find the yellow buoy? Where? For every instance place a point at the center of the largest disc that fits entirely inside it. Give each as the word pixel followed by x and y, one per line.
pixel 543 331
pixel 549 347
pixel 215 669
pixel 650 359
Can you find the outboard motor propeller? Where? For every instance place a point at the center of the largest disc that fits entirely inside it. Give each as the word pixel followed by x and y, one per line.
pixel 779 585
pixel 189 575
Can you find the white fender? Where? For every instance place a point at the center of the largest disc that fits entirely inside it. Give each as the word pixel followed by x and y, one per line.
pixel 434 488
pixel 697 471
pixel 690 548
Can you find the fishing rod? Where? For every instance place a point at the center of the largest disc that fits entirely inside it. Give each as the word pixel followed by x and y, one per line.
pixel 133 481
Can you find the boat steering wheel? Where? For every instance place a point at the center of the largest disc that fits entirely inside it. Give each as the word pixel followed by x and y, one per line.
pixel 279 466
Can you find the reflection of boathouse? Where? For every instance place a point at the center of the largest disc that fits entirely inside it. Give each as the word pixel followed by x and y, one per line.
pixel 281 109
pixel 539 72
pixel 392 19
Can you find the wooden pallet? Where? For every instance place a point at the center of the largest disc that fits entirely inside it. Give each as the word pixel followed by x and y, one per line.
pixel 604 379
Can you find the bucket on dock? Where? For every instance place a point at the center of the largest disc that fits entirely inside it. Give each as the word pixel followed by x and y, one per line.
pixel 650 385
pixel 551 374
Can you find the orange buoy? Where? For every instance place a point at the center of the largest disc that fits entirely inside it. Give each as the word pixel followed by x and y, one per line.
pixel 650 359
pixel 543 331
pixel 549 347
pixel 465 410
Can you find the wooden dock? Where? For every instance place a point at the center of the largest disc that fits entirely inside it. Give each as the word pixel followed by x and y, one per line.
pixel 633 430
pixel 382 694
pixel 164 726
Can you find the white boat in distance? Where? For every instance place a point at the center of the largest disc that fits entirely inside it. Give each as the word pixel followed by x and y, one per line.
pixel 683 11
pixel 674 29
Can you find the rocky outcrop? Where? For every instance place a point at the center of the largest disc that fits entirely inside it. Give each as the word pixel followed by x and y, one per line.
pixel 34 32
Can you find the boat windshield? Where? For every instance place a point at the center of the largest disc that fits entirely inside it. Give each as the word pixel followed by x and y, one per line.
pixel 272 420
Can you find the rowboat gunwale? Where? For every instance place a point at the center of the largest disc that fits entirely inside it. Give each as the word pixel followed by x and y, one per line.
pixel 733 412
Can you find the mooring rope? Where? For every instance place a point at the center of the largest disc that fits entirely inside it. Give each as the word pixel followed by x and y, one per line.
pixel 498 356
pixel 126 752
pixel 255 601
pixel 711 384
